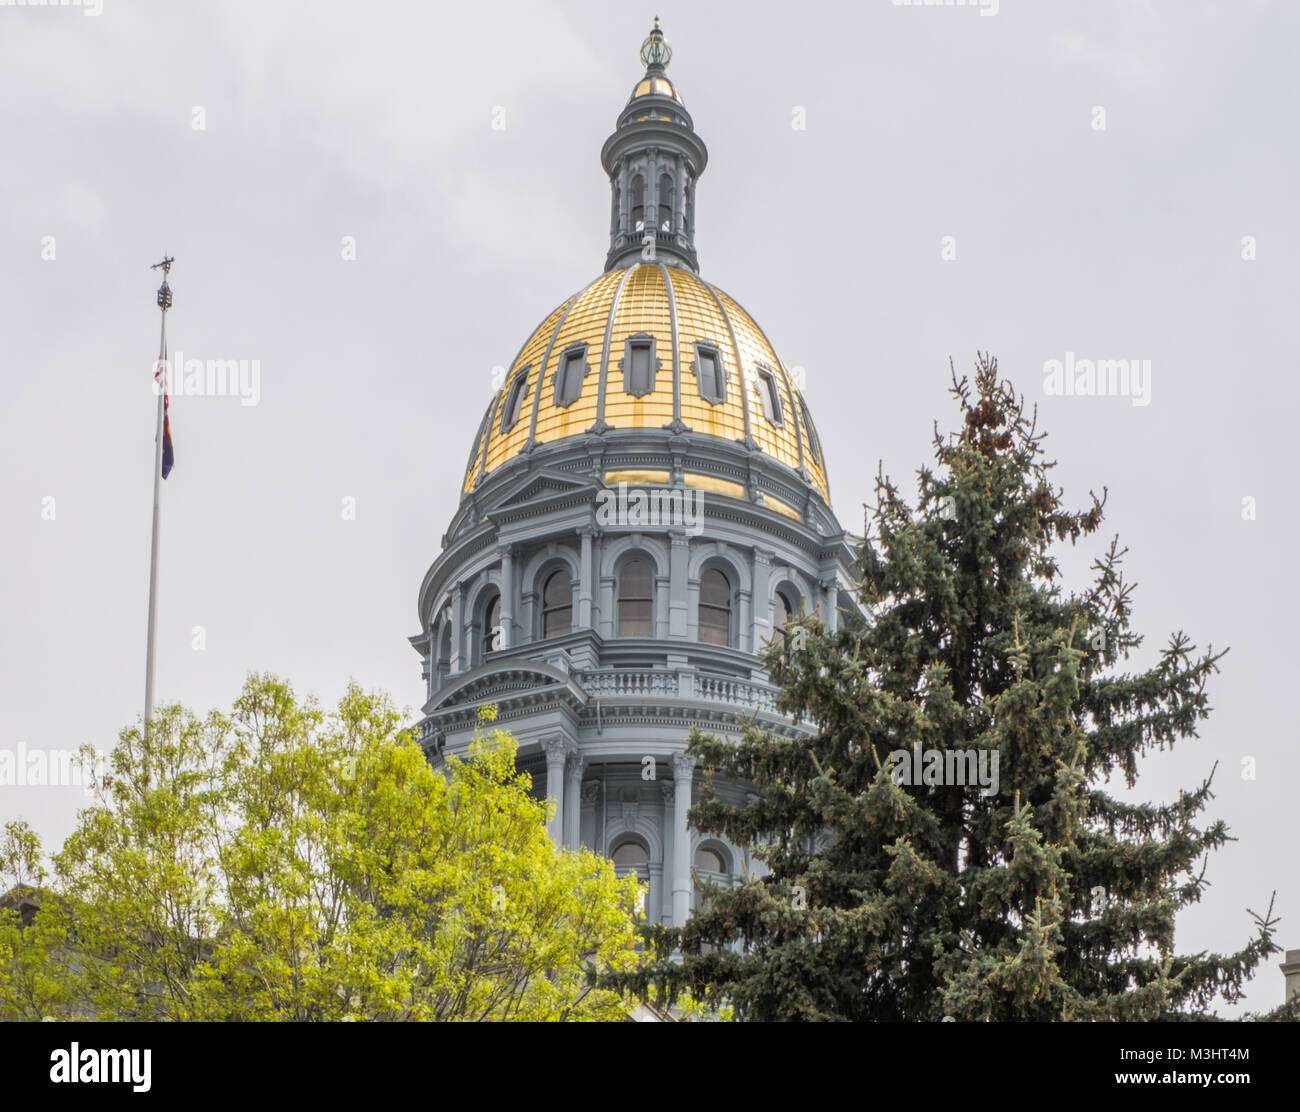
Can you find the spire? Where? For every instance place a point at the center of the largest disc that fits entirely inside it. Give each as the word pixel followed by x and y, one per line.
pixel 653 160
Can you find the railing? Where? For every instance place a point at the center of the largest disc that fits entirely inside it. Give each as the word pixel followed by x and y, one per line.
pixel 739 693
pixel 641 683
pixel 658 683
pixel 623 681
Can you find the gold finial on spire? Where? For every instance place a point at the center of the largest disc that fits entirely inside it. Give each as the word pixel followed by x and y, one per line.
pixel 655 51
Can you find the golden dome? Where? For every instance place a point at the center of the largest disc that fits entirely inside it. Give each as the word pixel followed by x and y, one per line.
pixel 641 347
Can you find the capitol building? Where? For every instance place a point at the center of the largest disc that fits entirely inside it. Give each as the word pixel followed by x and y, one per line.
pixel 644 507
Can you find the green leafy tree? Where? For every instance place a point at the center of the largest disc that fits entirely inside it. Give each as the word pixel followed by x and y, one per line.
pixel 30 945
pixel 279 863
pixel 1049 899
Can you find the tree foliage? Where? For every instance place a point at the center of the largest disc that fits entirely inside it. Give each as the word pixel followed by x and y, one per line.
pixel 280 863
pixel 1051 899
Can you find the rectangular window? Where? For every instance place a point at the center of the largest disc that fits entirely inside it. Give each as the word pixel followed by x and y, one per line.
pixel 569 376
pixel 769 396
pixel 708 372
pixel 514 400
pixel 638 365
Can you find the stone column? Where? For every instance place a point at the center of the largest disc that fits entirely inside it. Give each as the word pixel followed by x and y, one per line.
pixel 572 799
pixel 762 571
pixel 605 627
pixel 654 897
pixel 652 190
pixel 507 598
pixel 458 662
pixel 678 589
pixel 616 181
pixel 683 770
pixel 624 203
pixel 829 613
pixel 587 572
pixel 664 912
pixel 661 593
pixel 679 200
pixel 745 621
pixel 588 836
pixel 556 752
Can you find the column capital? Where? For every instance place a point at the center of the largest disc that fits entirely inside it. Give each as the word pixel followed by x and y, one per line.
pixel 574 766
pixel 556 749
pixel 683 766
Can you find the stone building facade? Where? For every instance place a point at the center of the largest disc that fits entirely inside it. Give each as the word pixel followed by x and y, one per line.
pixel 645 505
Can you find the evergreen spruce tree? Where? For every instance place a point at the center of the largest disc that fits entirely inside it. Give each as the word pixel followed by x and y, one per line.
pixel 1050 899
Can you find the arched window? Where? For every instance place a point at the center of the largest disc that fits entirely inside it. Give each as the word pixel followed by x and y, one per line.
pixel 635 599
pixel 782 611
pixel 492 625
pixel 708 860
pixel 715 608
pixel 638 202
pixel 557 604
pixel 630 854
pixel 709 867
pixel 665 202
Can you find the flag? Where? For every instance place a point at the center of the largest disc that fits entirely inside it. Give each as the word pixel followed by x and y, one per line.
pixel 168 455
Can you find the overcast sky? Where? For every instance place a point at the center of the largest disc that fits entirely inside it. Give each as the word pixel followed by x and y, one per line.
pixel 249 139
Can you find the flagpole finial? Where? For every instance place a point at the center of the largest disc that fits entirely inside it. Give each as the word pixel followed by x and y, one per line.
pixel 164 291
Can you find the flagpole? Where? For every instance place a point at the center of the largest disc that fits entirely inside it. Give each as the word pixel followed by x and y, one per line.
pixel 160 377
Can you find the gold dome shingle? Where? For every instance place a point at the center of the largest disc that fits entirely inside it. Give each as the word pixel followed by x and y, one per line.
pixel 656 86
pixel 679 309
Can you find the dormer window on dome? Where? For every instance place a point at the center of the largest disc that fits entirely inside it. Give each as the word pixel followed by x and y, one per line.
pixel 769 396
pixel 569 374
pixel 510 412
pixel 709 375
pixel 639 365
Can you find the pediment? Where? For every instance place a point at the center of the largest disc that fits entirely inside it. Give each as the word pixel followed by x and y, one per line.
pixel 537 488
pixel 503 684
